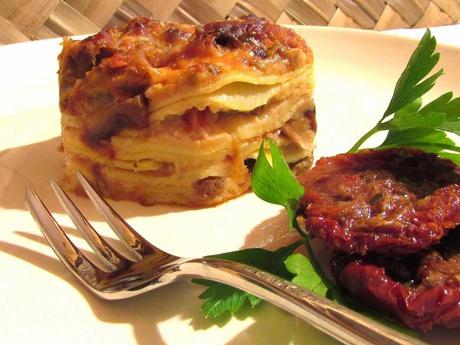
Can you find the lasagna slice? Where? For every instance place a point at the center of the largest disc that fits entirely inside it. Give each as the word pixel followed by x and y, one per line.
pixel 171 113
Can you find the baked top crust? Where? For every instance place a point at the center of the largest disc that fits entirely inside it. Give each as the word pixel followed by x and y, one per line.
pixel 154 64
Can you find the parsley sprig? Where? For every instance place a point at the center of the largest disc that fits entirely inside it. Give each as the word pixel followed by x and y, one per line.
pixel 274 182
pixel 220 298
pixel 408 122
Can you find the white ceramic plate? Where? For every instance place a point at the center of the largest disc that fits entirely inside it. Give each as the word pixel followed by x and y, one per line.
pixel 41 302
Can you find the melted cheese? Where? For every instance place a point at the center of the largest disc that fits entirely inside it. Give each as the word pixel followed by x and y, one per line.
pixel 153 93
pixel 237 96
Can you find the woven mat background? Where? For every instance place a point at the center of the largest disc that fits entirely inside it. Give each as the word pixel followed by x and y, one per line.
pixel 23 20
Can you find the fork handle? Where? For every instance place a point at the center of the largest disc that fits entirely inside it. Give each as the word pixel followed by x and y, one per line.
pixel 339 322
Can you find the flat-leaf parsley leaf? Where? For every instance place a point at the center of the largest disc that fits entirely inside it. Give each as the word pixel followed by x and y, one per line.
pixel 275 183
pixel 305 274
pixel 220 298
pixel 411 124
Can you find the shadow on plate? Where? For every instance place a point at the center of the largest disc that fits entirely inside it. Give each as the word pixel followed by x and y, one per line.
pixel 36 164
pixel 271 233
pixel 146 313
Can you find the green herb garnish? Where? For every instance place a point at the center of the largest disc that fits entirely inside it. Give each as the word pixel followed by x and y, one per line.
pixel 410 124
pixel 220 298
pixel 305 274
pixel 275 183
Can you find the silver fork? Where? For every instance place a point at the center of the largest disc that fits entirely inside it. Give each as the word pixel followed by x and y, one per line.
pixel 145 267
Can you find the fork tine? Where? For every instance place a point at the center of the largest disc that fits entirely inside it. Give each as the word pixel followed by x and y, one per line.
pixel 72 257
pixel 109 257
pixel 134 242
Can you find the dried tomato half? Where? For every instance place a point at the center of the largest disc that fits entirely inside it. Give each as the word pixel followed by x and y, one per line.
pixel 386 201
pixel 422 289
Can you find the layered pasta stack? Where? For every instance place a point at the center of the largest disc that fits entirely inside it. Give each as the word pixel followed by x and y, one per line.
pixel 171 113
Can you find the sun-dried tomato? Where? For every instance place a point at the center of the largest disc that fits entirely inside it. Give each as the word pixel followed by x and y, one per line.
pixel 386 201
pixel 422 289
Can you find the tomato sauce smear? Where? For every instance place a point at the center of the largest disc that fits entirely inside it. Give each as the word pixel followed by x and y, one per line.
pixel 395 201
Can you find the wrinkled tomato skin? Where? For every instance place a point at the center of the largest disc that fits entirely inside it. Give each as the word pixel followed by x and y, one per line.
pixel 387 201
pixel 420 307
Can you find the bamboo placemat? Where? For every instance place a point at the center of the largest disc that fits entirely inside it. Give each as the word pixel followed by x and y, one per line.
pixel 23 20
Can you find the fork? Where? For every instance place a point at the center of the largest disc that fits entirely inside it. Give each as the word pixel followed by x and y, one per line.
pixel 142 267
